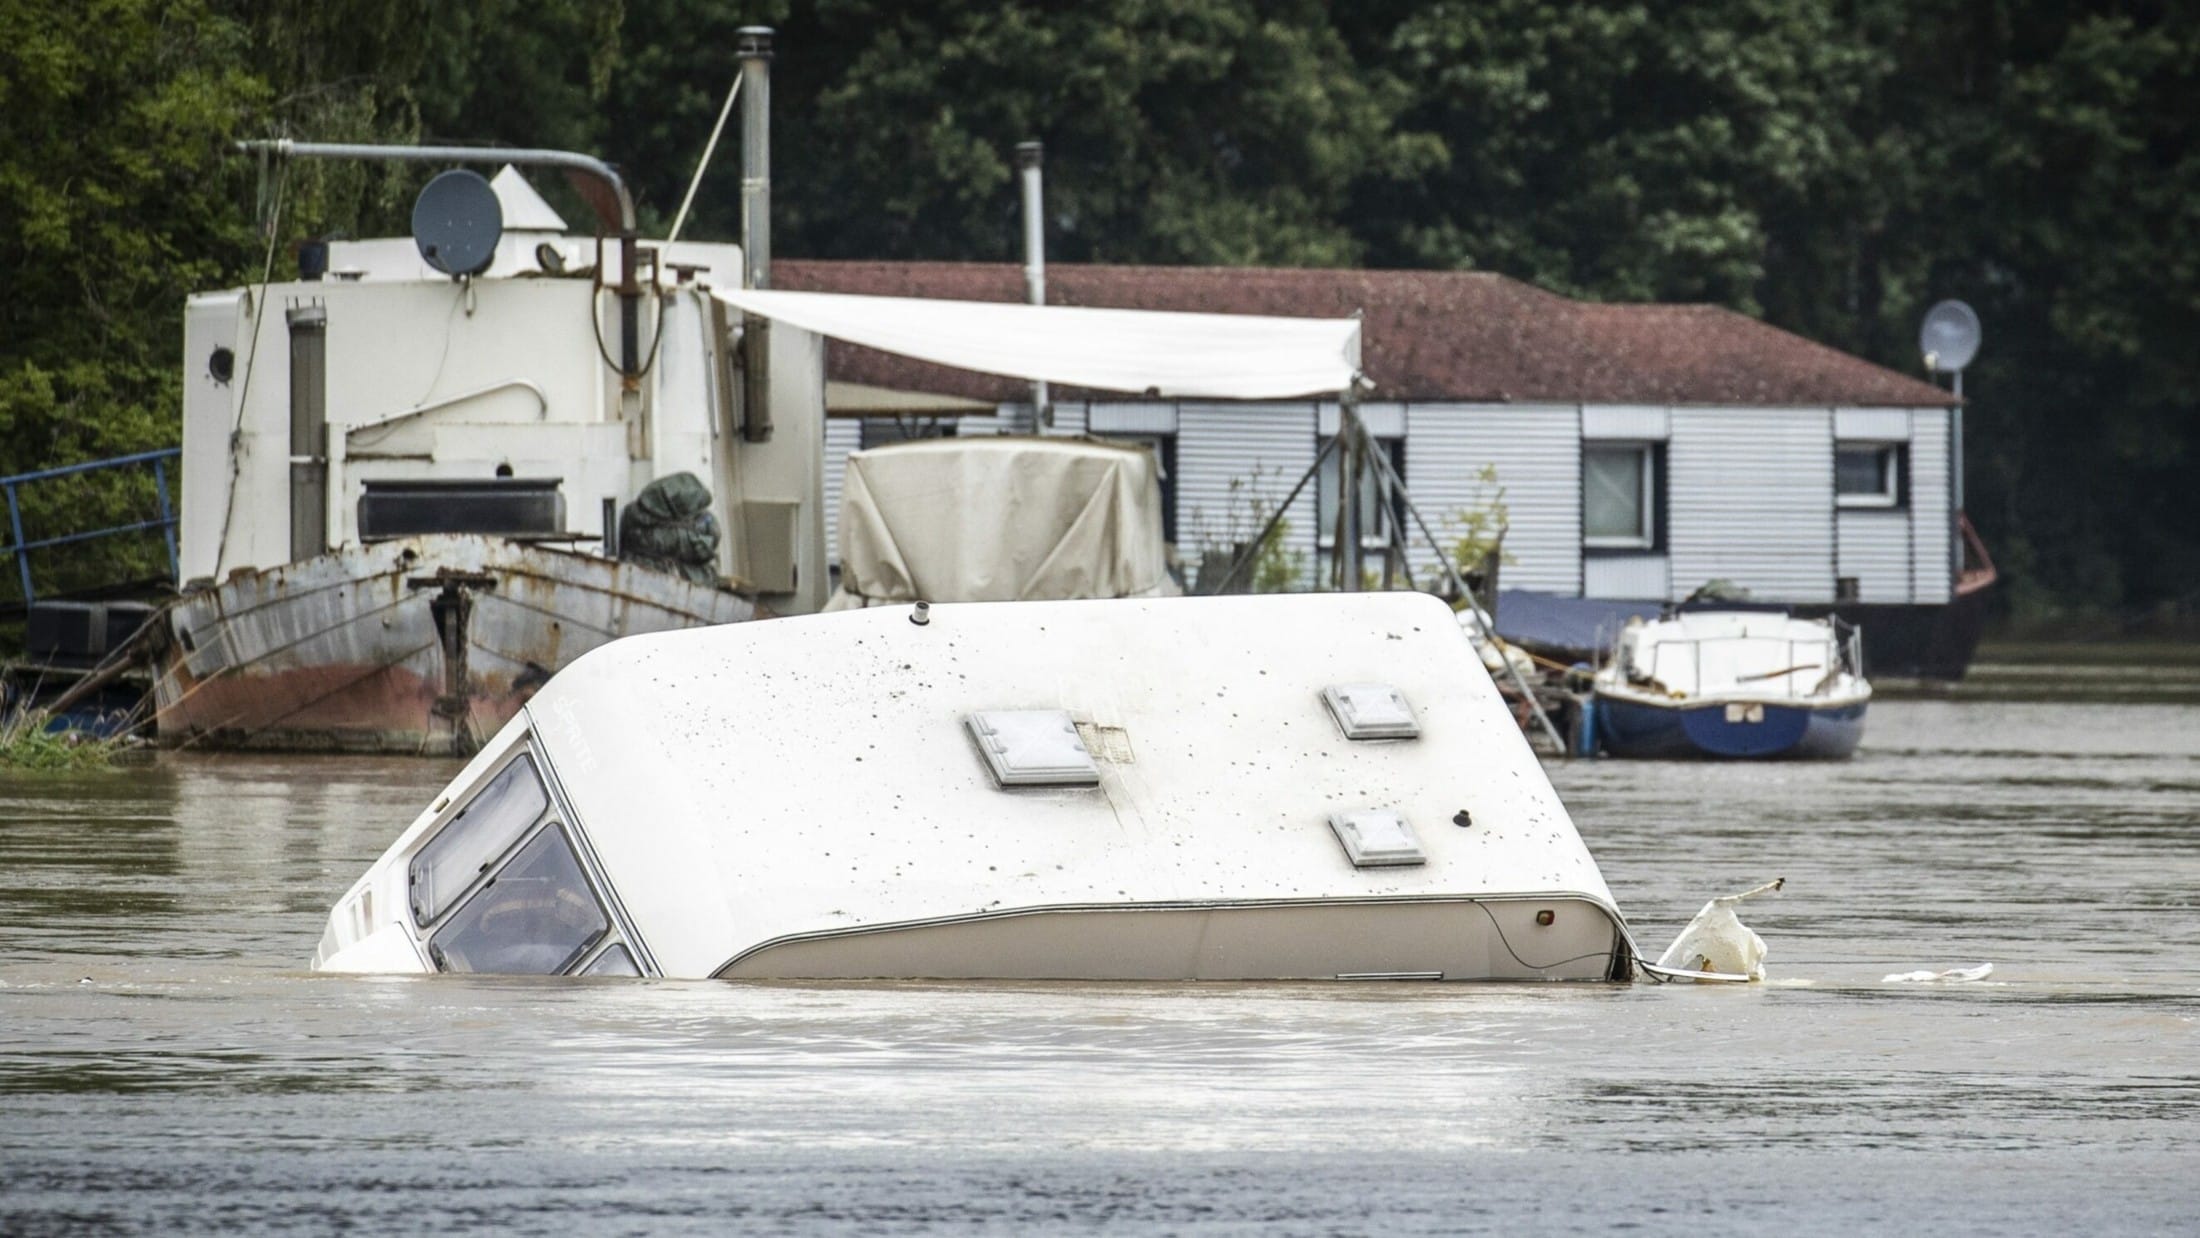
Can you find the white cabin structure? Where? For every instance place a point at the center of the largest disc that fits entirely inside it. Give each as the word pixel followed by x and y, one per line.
pixel 302 395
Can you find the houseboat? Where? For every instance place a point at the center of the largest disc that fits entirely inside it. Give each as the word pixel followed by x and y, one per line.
pixel 1731 684
pixel 1630 453
pixel 1310 786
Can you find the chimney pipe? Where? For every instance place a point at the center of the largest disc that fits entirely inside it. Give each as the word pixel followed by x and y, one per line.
pixel 753 44
pixel 1029 158
pixel 754 47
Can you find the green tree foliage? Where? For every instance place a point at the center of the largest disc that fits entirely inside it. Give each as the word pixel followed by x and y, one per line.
pixel 1832 165
pixel 1202 131
pixel 1617 150
pixel 115 202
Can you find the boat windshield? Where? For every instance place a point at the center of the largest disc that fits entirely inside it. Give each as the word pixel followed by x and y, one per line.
pixel 471 842
pixel 1763 665
pixel 537 917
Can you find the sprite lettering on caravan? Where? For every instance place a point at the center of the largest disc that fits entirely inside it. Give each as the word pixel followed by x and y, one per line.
pixel 583 757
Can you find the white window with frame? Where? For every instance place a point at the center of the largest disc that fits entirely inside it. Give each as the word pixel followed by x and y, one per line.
pixel 1619 496
pixel 1868 474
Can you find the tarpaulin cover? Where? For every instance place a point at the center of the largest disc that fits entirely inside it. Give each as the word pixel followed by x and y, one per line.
pixel 1218 356
pixel 999 520
pixel 669 526
pixel 1572 627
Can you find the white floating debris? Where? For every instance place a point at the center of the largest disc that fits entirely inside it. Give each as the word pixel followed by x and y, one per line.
pixel 1952 975
pixel 1717 943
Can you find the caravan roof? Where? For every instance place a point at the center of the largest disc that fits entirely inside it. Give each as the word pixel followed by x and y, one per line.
pixel 814 797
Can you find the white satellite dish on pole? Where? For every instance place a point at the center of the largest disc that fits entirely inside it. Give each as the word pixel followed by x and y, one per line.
pixel 1949 338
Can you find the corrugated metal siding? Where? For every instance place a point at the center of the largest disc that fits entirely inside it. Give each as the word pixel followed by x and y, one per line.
pixel 1639 422
pixel 1070 418
pixel 1879 425
pixel 1932 522
pixel 1382 420
pixel 1132 417
pixel 1750 499
pixel 842 435
pixel 1264 448
pixel 1536 450
pixel 1005 419
pixel 1634 578
pixel 1875 548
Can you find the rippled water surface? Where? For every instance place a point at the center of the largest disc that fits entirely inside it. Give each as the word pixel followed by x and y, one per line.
pixel 166 1063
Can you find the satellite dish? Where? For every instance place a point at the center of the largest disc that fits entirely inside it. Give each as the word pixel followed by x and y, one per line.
pixel 1949 337
pixel 457 222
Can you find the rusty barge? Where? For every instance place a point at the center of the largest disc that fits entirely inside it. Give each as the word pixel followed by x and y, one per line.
pixel 424 644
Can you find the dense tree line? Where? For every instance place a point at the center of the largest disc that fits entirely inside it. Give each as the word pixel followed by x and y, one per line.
pixel 1831 165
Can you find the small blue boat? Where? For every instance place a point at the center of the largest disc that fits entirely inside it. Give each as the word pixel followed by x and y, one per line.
pixel 1732 684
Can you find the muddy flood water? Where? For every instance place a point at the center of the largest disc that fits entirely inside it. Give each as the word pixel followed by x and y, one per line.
pixel 167 1063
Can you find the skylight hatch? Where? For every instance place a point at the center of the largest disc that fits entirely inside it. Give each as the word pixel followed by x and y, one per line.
pixel 1033 748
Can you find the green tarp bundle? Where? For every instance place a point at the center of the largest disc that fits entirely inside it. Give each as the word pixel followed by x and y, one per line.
pixel 669 526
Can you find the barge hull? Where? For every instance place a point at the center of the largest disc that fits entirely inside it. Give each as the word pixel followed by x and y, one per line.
pixel 420 645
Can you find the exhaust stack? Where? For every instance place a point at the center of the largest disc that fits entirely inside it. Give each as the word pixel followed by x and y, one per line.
pixel 1030 156
pixel 755 50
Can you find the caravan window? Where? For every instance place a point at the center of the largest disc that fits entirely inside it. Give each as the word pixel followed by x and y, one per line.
pixel 536 917
pixel 469 843
pixel 614 961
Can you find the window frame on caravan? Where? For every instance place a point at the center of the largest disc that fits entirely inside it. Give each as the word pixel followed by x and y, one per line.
pixel 492 856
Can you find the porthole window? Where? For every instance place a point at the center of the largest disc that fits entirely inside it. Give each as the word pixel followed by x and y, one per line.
pixel 221 366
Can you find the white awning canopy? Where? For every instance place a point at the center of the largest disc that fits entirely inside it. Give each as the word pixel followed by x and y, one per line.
pixel 1215 356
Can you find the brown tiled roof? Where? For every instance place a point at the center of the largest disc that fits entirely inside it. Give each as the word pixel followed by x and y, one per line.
pixel 1428 335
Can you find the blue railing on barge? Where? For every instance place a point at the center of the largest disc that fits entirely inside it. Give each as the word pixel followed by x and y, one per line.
pixel 20 547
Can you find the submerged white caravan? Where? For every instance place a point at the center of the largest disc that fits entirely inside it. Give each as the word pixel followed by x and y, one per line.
pixel 1232 788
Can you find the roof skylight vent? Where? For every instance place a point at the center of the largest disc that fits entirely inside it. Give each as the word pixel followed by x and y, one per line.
pixel 1032 748
pixel 1371 711
pixel 1377 838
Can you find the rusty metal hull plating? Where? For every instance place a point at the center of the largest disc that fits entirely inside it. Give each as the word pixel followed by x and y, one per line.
pixel 424 645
